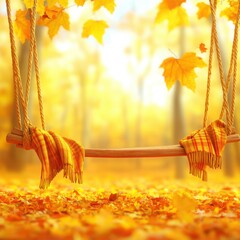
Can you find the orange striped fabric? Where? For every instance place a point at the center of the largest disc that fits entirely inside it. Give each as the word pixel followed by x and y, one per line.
pixel 57 153
pixel 204 148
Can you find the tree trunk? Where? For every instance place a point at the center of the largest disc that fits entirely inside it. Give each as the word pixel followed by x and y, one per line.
pixel 178 119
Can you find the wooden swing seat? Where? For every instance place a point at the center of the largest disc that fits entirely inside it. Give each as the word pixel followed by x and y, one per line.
pixel 16 137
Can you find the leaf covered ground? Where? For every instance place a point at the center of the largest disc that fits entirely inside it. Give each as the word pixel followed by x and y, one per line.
pixel 119 206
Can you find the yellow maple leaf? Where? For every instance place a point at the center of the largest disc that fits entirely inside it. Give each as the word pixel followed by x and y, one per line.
pixel 40 5
pixel 80 2
pixel 63 3
pixel 182 70
pixel 54 17
pixel 173 3
pixel 96 28
pixel 22 25
pixel 109 5
pixel 231 11
pixel 176 17
pixel 204 10
pixel 185 205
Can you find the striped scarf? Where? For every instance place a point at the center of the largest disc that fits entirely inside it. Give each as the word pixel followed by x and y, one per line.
pixel 204 148
pixel 57 153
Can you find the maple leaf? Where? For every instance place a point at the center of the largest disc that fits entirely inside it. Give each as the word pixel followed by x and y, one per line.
pixel 176 17
pixel 173 3
pixel 40 5
pixel 184 205
pixel 22 25
pixel 109 5
pixel 202 47
pixel 63 3
pixel 80 2
pixel 231 11
pixel 96 28
pixel 54 17
pixel 182 69
pixel 204 10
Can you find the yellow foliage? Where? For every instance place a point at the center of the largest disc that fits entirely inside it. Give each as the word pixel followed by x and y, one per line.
pixel 182 69
pixel 176 17
pixel 109 5
pixel 40 5
pixel 204 10
pixel 96 28
pixel 22 25
pixel 63 3
pixel 54 17
pixel 231 11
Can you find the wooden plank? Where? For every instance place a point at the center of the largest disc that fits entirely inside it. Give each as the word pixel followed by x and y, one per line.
pixel 162 151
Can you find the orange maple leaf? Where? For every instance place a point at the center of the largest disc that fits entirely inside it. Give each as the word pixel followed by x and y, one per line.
pixel 173 3
pixel 231 11
pixel 80 2
pixel 54 17
pixel 202 47
pixel 96 28
pixel 204 10
pixel 176 17
pixel 182 70
pixel 109 5
pixel 22 25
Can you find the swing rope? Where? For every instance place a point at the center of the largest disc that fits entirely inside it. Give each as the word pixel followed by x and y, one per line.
pixel 56 153
pixel 21 102
pixel 232 72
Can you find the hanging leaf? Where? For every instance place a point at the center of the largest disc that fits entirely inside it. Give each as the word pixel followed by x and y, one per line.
pixel 231 11
pixel 182 70
pixel 176 17
pixel 202 47
pixel 40 5
pixel 173 3
pixel 80 2
pixel 54 17
pixel 204 10
pixel 109 5
pixel 63 3
pixel 96 28
pixel 22 25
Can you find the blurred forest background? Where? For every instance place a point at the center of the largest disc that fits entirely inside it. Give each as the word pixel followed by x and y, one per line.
pixel 113 95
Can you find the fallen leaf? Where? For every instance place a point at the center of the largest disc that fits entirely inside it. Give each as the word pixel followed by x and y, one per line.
pixel 185 205
pixel 113 196
pixel 204 10
pixel 176 17
pixel 109 5
pixel 95 28
pixel 182 70
pixel 54 17
pixel 22 25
